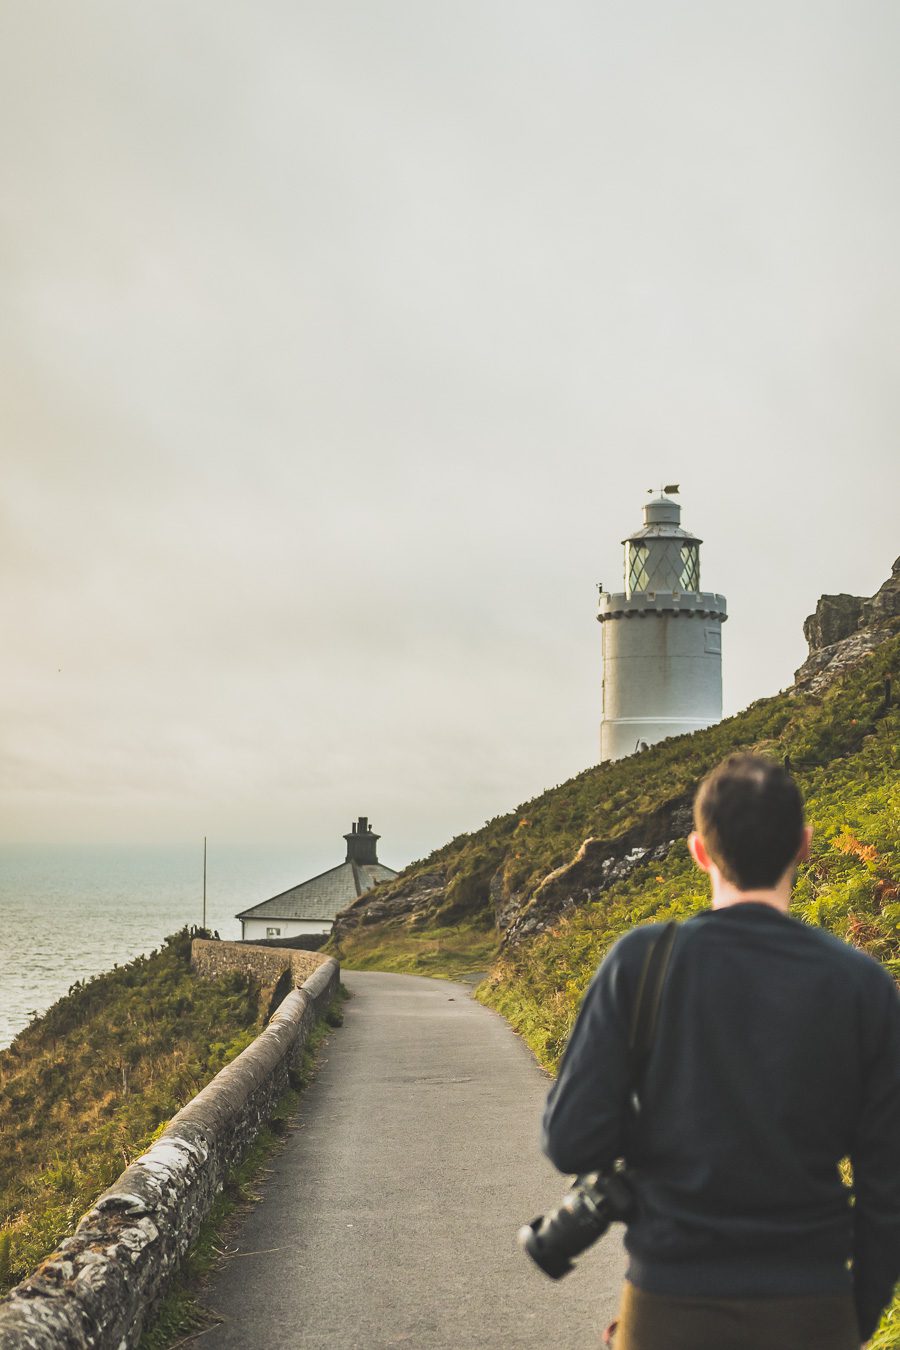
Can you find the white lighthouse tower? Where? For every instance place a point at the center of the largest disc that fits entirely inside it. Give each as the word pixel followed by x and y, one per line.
pixel 662 638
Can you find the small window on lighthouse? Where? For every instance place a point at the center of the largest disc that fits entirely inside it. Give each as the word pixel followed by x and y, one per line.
pixel 637 568
pixel 713 641
pixel 690 567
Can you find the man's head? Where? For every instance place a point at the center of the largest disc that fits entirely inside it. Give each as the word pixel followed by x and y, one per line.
pixel 748 818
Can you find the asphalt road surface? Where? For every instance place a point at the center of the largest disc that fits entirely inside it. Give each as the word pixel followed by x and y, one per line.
pixel 389 1218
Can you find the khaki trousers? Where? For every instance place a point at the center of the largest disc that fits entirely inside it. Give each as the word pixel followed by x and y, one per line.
pixel 666 1322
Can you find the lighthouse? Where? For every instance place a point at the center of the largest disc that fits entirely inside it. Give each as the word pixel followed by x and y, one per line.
pixel 662 638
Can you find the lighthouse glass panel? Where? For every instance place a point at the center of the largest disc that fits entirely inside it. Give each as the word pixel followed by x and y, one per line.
pixel 637 568
pixel 690 567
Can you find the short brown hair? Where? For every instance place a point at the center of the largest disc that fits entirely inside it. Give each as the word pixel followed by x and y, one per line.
pixel 749 813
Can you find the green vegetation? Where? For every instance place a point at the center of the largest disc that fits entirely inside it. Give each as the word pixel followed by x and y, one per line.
pixel 445 952
pixel 86 1087
pixel 182 1314
pixel 851 885
pixel 844 749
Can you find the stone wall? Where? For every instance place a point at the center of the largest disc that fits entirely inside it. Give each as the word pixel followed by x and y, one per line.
pixel 101 1287
pixel 212 958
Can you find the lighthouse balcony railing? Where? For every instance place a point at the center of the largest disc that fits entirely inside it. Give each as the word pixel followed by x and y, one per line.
pixel 618 604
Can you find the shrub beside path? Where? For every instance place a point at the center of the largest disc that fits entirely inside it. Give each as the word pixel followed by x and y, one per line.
pixel 389 1218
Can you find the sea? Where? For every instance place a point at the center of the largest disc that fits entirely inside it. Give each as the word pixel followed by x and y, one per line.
pixel 70 912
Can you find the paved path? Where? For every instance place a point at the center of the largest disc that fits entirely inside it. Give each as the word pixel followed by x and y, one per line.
pixel 393 1208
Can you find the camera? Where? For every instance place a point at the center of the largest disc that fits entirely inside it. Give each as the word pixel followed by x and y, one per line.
pixel 593 1203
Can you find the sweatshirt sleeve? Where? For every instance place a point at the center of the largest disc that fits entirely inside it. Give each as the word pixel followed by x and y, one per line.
pixel 876 1161
pixel 587 1109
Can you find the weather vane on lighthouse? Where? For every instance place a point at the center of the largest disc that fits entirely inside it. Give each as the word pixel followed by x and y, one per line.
pixel 662 637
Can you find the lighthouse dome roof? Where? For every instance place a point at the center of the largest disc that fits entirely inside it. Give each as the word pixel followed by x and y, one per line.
pixel 662 531
pixel 662 519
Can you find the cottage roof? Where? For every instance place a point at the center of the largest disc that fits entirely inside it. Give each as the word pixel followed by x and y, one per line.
pixel 323 896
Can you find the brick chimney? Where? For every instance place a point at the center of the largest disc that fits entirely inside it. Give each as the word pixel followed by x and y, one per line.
pixel 362 842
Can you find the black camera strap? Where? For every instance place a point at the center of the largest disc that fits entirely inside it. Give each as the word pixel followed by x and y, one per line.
pixel 647 1003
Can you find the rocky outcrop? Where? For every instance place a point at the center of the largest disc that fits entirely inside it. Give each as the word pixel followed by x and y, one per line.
pixel 884 607
pixel 844 629
pixel 836 617
pixel 507 905
pixel 597 865
pixel 418 899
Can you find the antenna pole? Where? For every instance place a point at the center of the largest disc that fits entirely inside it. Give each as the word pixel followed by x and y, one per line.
pixel 204 882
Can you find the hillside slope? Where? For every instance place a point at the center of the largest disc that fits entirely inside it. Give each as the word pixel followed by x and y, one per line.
pixel 546 889
pixel 86 1087
pixel 620 822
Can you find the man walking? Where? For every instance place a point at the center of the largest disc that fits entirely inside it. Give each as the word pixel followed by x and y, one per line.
pixel 776 1055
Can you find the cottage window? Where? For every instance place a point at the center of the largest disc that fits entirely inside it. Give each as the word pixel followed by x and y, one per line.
pixel 273 932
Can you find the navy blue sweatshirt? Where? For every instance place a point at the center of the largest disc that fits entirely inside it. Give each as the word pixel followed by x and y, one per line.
pixel 777 1053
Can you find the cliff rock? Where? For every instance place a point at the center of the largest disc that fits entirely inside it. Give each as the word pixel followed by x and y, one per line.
pixel 417 902
pixel 597 864
pixel 844 629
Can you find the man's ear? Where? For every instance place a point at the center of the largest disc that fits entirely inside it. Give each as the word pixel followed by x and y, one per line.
pixel 698 851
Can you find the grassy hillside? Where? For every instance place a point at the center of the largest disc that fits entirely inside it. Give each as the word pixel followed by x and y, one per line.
pixel 85 1088
pixel 843 748
pixel 851 885
pixel 448 912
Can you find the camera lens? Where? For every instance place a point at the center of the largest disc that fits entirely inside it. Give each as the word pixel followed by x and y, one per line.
pixel 552 1240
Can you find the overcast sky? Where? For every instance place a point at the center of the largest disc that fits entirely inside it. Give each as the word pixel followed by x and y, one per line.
pixel 339 344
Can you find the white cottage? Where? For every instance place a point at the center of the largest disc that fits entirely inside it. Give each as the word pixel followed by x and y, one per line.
pixel 310 908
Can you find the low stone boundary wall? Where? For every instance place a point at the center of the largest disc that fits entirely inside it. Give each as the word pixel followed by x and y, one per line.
pixel 100 1288
pixel 211 957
